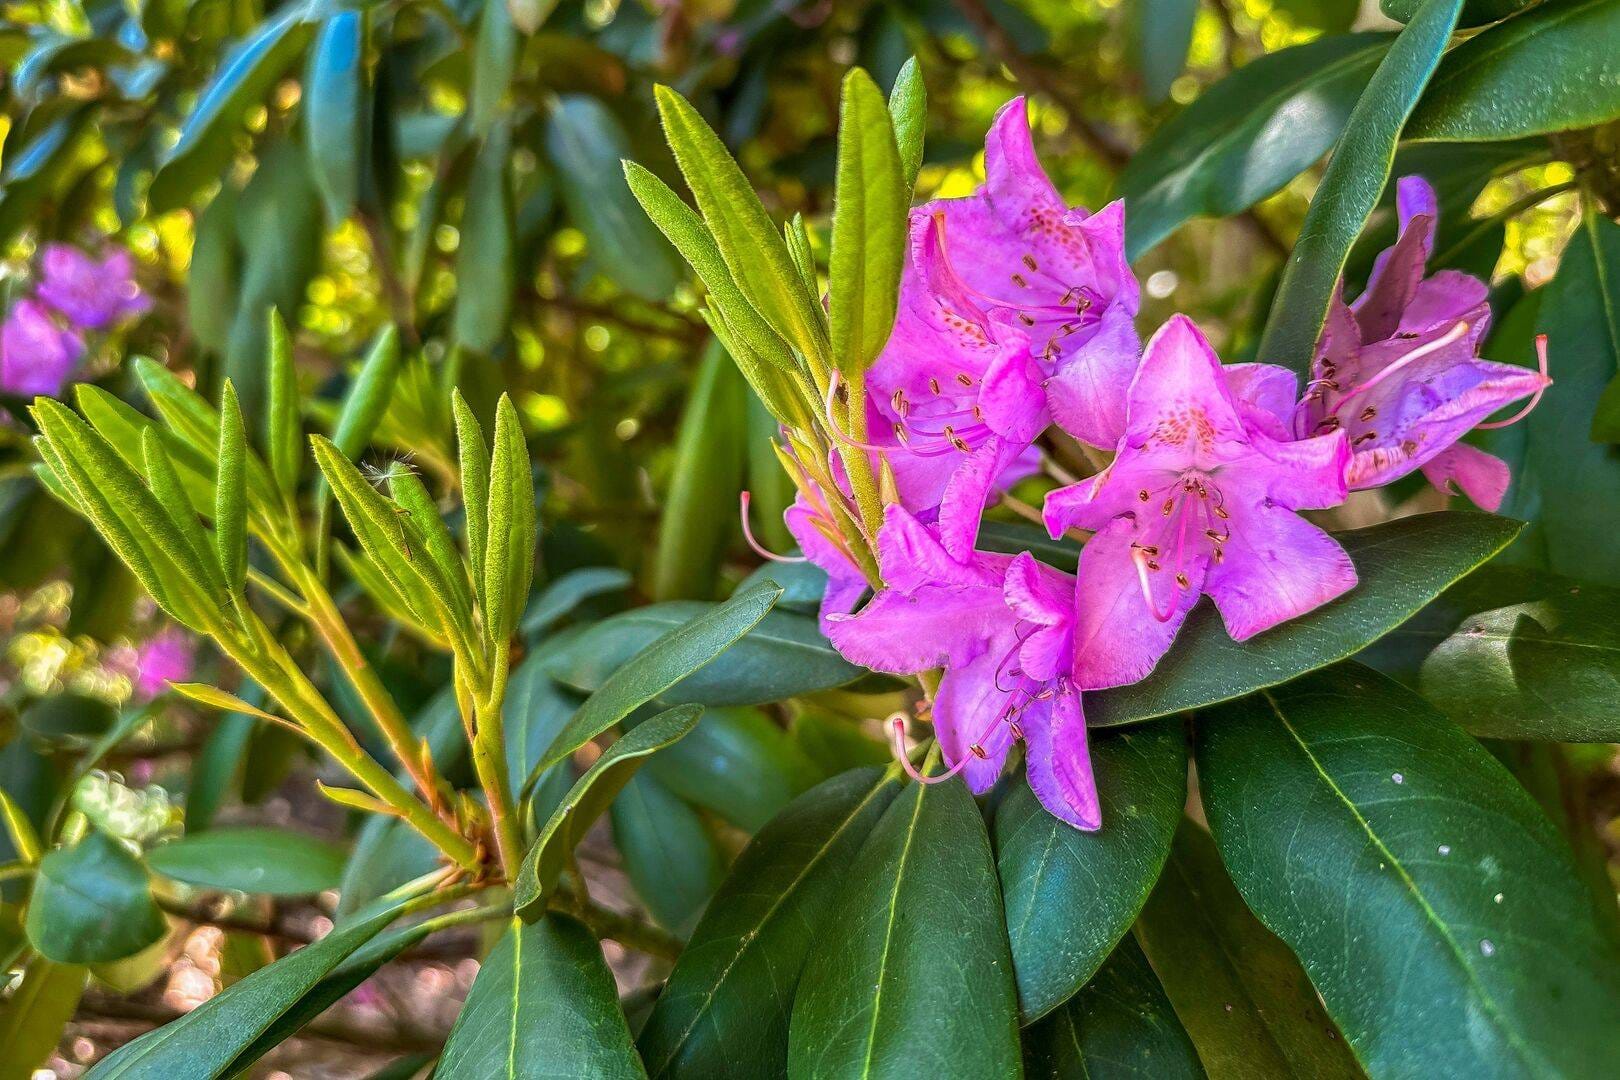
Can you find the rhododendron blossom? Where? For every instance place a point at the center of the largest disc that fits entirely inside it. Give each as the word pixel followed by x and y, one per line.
pixel 1197 500
pixel 1396 371
pixel 1002 629
pixel 93 293
pixel 36 354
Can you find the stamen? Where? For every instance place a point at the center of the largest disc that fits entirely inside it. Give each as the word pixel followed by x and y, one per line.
pixel 964 378
pixel 839 435
pixel 1368 413
pixel 1139 557
pixel 1025 319
pixel 1018 280
pixel 1541 357
pixel 899 733
pixel 1412 357
pixel 1029 262
pixel 933 384
pixel 1366 437
pixel 748 534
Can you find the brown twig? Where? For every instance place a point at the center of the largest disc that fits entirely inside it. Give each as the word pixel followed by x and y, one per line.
pixel 685 331
pixel 330 1028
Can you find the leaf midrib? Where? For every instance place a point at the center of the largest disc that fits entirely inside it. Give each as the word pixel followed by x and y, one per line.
pixel 888 932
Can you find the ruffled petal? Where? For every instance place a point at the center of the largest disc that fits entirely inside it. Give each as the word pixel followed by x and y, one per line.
pixel 970 711
pixel 1482 477
pixel 1088 386
pixel 1059 761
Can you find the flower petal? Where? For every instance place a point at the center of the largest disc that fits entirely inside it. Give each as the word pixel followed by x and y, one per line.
pixel 1275 566
pixel 971 711
pixel 1088 387
pixel 1117 640
pixel 1482 477
pixel 1059 762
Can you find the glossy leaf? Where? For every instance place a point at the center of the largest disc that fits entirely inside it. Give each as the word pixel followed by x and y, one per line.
pixel 207 1040
pixel 918 970
pixel 724 1010
pixel 869 227
pixel 739 764
pixel 335 116
pixel 1553 67
pixel 784 656
pixel 250 859
pixel 586 144
pixel 1402 565
pixel 646 668
pixel 1436 908
pixel 1071 895
pixel 588 799
pixel 1350 185
pixel 91 903
pixel 560 597
pixel 1120 1027
pixel 242 82
pixel 543 1005
pixel 1238 991
pixel 34 1017
pixel 669 855
pixel 1158 34
pixel 1247 136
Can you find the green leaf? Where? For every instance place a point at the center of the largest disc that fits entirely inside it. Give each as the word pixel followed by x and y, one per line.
pixel 1071 895
pixel 33 172
pixel 1435 907
pixel 230 493
pixel 68 718
pixel 33 1018
pixel 869 227
pixel 335 111
pixel 561 596
pixel 543 1005
pixel 205 145
pixel 92 903
pixel 908 105
pixel 474 462
pixel 1246 136
pixel 213 278
pixel 284 429
pixel 739 764
pixel 494 62
pixel 699 516
pixel 1401 564
pixel 509 556
pixel 1158 34
pixel 1237 989
pixel 646 667
pixel 1566 484
pixel 24 837
pixel 1553 67
pixel 367 399
pixel 669 855
pixel 170 491
pixel 917 968
pixel 752 249
pixel 271 862
pixel 485 274
pixel 205 1042
pixel 1474 13
pixel 1120 1027
pixel 724 1010
pixel 589 797
pixel 586 144
pixel 1350 186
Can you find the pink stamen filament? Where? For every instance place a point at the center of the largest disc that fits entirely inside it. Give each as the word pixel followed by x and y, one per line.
pixel 1140 557
pixel 761 550
pixel 898 728
pixel 1412 357
pixel 1541 358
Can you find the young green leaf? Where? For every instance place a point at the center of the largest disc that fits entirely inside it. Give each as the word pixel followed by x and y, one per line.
pixel 367 399
pixel 869 227
pixel 474 456
pixel 423 521
pixel 908 105
pixel 586 801
pixel 485 272
pixel 509 558
pixel 169 491
pixel 494 62
pixel 1351 185
pixel 284 432
pixel 748 241
pixel 230 493
pixel 215 698
pixel 24 837
pixel 37 1012
pixel 92 903
pixel 797 235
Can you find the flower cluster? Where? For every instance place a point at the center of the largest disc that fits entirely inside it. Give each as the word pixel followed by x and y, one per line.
pixel 1016 313
pixel 42 340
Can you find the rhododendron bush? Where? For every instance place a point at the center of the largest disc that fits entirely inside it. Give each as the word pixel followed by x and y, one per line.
pixel 738 540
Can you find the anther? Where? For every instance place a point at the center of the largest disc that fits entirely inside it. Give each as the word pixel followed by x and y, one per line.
pixel 978 751
pixel 1017 732
pixel 1181 579
pixel 933 384
pixel 1018 280
pixel 1368 413
pixel 1143 495
pixel 1220 512
pixel 1368 437
pixel 1029 262
pixel 1025 319
pixel 964 378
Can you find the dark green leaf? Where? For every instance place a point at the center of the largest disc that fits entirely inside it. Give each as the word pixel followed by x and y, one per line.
pixel 543 1005
pixel 494 62
pixel 1350 185
pixel 1071 895
pixel 646 666
pixel 1434 905
pixel 725 1008
pixel 560 597
pixel 1120 1027
pixel 739 764
pixel 669 855
pixel 91 903
pixel 213 277
pixel 335 108
pixel 230 493
pixel 274 862
pixel 591 794
pixel 1238 990
pixel 1402 565
pixel 1158 34
pixel 68 717
pixel 1247 136
pixel 485 275
pixel 586 144
pixel 247 75
pixel 917 977
pixel 1553 67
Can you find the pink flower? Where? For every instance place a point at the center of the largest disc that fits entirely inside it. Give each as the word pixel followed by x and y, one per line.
pixel 1200 499
pixel 92 294
pixel 163 658
pixel 811 522
pixel 36 355
pixel 1396 371
pixel 1014 254
pixel 1002 628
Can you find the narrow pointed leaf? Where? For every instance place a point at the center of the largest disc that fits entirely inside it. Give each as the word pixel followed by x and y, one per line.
pixel 485 272
pixel 908 105
pixel 36 1014
pixel 1434 905
pixel 169 490
pixel 230 493
pixel 588 799
pixel 249 859
pixel 335 110
pixel 215 698
pixel 368 397
pixel 285 431
pixel 509 557
pixel 869 226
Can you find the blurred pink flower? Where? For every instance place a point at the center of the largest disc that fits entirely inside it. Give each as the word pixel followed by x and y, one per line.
pixel 92 294
pixel 36 354
pixel 165 657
